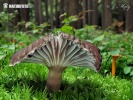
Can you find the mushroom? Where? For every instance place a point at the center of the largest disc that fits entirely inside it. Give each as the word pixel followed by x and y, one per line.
pixel 58 53
pixel 114 57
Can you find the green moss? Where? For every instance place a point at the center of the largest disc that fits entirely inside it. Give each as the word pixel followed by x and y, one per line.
pixel 28 81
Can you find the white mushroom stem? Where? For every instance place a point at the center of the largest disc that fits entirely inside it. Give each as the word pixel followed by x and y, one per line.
pixel 54 78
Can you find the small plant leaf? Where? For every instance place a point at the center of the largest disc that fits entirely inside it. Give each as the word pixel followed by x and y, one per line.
pixel 2 56
pixel 12 47
pixel 62 15
pixel 89 41
pixel 4 46
pixel 28 24
pixel 115 52
pixel 131 73
pixel 127 70
pixel 1 53
pixel 35 31
pixel 67 29
pixel 100 38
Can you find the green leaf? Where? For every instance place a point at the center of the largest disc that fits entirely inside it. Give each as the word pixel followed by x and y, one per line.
pixel 100 38
pixel 67 29
pixel 4 46
pixel 101 47
pixel 73 19
pixel 12 47
pixel 63 15
pixel 90 28
pixel 1 53
pixel 45 24
pixel 105 71
pixel 28 24
pixel 131 73
pixel 2 56
pixel 35 31
pixel 127 70
pixel 116 52
pixel 89 41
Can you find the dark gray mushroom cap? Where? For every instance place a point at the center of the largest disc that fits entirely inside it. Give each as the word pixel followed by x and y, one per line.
pixel 63 50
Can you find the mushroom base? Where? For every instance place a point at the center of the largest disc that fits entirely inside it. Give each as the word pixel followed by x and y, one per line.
pixel 54 78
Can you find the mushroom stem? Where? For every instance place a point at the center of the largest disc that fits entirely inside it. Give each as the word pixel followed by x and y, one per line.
pixel 54 78
pixel 114 57
pixel 113 66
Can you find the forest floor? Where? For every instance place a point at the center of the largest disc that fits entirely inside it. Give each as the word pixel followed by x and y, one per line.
pixel 26 81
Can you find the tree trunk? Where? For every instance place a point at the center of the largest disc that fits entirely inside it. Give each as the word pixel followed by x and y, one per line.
pixel 51 14
pixel 65 6
pixel 1 5
pixel 56 13
pixel 61 6
pixel 46 10
pixel 16 19
pixel 129 16
pixel 120 13
pixel 61 10
pixel 71 7
pixel 74 10
pixel 106 14
pixel 38 12
pixel 89 6
pixel 84 9
pixel 24 12
pixel 95 12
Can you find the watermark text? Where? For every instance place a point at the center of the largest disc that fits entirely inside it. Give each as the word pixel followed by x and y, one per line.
pixel 118 6
pixel 6 5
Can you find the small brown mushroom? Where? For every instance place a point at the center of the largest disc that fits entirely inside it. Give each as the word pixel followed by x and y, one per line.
pixel 58 53
pixel 114 57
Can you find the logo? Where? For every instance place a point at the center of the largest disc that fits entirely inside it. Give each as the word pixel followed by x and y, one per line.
pixel 6 5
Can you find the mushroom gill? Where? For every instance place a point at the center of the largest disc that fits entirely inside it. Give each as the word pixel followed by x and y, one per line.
pixel 58 53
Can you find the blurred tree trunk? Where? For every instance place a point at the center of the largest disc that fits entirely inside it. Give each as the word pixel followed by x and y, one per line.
pixel 129 16
pixel 39 19
pixel 51 14
pixel 1 5
pixel 12 10
pixel 25 11
pixel 95 12
pixel 106 14
pixel 56 13
pixel 89 7
pixel 84 9
pixel 72 8
pixel 119 12
pixel 46 10
pixel 64 5
pixel 61 6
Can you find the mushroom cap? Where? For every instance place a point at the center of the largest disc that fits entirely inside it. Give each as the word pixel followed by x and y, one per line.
pixel 116 56
pixel 63 50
